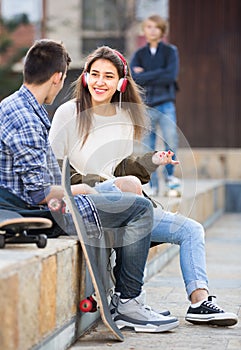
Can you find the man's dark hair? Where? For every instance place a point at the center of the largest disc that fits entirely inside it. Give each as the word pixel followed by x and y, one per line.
pixel 43 59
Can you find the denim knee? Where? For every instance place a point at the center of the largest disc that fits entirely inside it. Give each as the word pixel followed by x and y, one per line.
pixel 196 229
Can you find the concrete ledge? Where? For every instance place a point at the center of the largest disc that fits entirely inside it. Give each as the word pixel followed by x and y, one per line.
pixel 209 163
pixel 40 288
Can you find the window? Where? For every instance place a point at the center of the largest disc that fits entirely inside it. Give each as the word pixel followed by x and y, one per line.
pixel 104 22
pixel 102 15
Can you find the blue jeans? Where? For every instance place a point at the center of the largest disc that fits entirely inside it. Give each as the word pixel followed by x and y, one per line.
pixel 163 115
pixel 131 217
pixel 187 233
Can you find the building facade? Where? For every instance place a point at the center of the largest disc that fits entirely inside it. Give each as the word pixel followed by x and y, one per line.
pixel 207 34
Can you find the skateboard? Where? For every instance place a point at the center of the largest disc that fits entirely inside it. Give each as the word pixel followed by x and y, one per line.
pixel 92 254
pixel 15 229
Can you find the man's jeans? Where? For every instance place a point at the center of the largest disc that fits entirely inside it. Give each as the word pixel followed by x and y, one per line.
pixel 163 115
pixel 131 217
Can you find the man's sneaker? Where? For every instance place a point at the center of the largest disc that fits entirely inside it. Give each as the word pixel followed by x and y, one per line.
pixel 135 314
pixel 173 181
pixel 114 302
pixel 208 312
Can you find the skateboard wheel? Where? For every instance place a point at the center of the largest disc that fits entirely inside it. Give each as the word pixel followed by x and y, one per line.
pixel 54 204
pixel 2 241
pixel 42 241
pixel 86 305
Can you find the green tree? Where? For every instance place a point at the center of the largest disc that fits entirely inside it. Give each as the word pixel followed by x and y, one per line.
pixel 10 80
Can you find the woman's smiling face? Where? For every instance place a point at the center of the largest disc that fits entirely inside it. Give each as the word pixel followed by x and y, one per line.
pixel 102 82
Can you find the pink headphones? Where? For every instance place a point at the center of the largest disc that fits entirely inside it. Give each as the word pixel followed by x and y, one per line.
pixel 122 84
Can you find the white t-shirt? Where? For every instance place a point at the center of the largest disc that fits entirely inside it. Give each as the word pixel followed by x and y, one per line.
pixel 110 140
pixel 153 50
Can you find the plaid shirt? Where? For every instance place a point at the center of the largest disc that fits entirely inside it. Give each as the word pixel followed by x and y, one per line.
pixel 27 162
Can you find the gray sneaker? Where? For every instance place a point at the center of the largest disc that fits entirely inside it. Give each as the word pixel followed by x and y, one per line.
pixel 114 302
pixel 116 296
pixel 135 314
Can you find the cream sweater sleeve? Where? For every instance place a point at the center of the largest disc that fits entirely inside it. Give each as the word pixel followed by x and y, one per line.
pixel 62 129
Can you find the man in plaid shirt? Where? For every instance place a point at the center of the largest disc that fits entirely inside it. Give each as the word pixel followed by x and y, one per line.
pixel 29 169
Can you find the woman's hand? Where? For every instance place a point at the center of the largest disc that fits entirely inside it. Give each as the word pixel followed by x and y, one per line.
pixel 164 158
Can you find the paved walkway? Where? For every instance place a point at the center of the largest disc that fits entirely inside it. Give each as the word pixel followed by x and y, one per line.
pixel 223 242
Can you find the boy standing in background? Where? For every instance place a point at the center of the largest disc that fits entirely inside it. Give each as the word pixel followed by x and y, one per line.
pixel 155 68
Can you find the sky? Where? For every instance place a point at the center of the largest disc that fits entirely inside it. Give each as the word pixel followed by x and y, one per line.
pixel 33 8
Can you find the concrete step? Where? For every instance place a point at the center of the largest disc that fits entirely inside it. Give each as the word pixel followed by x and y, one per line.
pixel 40 288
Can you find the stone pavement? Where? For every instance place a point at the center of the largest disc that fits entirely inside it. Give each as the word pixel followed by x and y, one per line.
pixel 223 247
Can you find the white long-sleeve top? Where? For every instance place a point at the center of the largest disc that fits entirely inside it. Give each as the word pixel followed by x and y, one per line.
pixel 110 140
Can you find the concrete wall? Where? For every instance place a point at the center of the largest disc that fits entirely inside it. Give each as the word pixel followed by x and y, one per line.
pixel 215 163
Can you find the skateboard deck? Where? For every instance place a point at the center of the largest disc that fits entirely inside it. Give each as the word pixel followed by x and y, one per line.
pixel 14 228
pixel 89 249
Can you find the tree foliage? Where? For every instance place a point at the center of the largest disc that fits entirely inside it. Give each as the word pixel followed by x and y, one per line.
pixel 9 79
